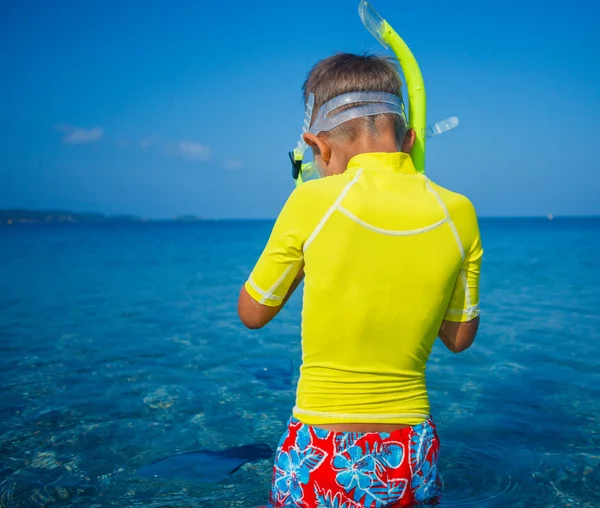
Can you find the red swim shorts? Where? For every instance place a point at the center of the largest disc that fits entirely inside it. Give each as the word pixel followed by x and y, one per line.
pixel 319 468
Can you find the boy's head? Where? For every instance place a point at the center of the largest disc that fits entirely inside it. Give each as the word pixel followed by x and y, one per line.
pixel 341 74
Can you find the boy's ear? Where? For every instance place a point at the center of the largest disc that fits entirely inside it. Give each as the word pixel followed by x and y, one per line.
pixel 320 146
pixel 409 141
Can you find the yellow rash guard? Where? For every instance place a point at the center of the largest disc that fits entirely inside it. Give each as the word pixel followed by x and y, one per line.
pixel 387 256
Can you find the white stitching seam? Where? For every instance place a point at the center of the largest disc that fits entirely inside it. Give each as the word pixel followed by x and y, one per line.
pixel 355 415
pixel 262 292
pixel 332 209
pixel 269 295
pixel 391 232
pixel 450 222
pixel 468 310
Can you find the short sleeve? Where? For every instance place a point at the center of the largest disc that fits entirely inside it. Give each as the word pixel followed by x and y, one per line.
pixel 282 258
pixel 464 302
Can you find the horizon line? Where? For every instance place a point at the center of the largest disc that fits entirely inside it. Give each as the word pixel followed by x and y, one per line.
pixel 189 217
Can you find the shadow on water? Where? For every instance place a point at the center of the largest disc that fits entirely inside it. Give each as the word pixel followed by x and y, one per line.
pixel 277 373
pixel 207 465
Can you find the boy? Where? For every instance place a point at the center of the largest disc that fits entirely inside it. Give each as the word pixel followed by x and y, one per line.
pixel 391 261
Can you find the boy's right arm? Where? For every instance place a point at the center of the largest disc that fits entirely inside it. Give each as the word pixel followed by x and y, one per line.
pixel 461 320
pixel 279 270
pixel 255 315
pixel 275 275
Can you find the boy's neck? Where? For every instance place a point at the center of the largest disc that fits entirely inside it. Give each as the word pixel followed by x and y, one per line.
pixel 367 144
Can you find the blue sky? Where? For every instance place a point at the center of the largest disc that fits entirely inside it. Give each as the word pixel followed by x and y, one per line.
pixel 167 108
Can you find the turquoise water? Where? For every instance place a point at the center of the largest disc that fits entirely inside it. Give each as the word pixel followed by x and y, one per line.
pixel 120 346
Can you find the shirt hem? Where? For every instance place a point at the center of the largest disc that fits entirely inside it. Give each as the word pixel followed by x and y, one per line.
pixel 310 417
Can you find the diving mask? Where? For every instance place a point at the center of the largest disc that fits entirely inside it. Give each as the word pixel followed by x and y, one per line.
pixel 335 112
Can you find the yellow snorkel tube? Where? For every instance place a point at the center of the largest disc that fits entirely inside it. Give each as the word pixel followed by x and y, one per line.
pixel 417 103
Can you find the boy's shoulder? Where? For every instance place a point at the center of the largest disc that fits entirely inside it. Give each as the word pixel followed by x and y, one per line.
pixel 321 189
pixel 454 201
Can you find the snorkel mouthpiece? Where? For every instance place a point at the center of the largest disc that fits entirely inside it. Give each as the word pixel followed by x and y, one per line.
pixel 296 164
pixel 297 155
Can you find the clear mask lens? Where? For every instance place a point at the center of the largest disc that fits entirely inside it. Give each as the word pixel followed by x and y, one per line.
pixel 310 168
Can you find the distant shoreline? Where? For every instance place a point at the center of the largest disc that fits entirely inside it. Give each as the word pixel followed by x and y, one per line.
pixel 10 217
pixel 18 216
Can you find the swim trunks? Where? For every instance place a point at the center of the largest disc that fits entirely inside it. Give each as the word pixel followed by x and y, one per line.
pixel 319 468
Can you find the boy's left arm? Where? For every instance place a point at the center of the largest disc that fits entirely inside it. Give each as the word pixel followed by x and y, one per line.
pixel 461 320
pixel 279 269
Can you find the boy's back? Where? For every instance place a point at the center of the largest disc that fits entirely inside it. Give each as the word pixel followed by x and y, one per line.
pixel 383 248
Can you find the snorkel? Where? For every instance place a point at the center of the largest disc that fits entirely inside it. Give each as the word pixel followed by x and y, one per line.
pixel 417 105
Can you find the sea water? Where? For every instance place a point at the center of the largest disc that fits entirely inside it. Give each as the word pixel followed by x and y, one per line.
pixel 120 346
